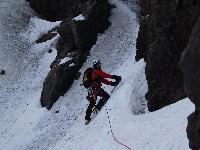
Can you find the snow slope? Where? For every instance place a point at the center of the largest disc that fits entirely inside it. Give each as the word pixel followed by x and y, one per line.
pixel 24 125
pixel 14 18
pixel 161 130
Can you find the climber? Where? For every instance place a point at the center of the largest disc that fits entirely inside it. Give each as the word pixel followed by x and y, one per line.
pixel 92 80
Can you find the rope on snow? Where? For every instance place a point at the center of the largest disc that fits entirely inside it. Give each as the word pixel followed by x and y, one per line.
pixel 113 133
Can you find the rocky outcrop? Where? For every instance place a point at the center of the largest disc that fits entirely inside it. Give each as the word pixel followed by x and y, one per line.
pixel 190 63
pixel 78 32
pixel 56 10
pixel 164 32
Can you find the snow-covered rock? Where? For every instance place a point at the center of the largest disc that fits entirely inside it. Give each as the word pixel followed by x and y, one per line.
pixel 79 18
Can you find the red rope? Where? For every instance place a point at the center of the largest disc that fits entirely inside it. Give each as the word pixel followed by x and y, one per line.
pixel 113 133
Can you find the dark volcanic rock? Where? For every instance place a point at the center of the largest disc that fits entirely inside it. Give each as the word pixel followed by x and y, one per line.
pixel 58 82
pixel 75 42
pixel 46 37
pixel 59 10
pixel 193 130
pixel 190 63
pixel 2 72
pixel 163 35
pixel 56 9
pixel 85 32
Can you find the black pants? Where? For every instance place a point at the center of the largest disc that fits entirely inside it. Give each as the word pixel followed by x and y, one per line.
pixel 104 97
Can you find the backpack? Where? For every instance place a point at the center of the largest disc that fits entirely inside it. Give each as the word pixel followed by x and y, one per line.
pixel 87 77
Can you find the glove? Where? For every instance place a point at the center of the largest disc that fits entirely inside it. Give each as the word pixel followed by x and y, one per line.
pixel 114 83
pixel 116 77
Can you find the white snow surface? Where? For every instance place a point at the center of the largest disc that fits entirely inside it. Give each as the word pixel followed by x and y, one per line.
pixel 64 60
pixel 13 20
pixel 79 18
pixel 24 125
pixel 38 27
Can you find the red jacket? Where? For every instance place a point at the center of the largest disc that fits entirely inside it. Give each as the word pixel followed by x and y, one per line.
pixel 102 75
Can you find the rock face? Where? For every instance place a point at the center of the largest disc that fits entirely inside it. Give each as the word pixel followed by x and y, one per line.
pixel 76 38
pixel 190 63
pixel 165 28
pixel 56 10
